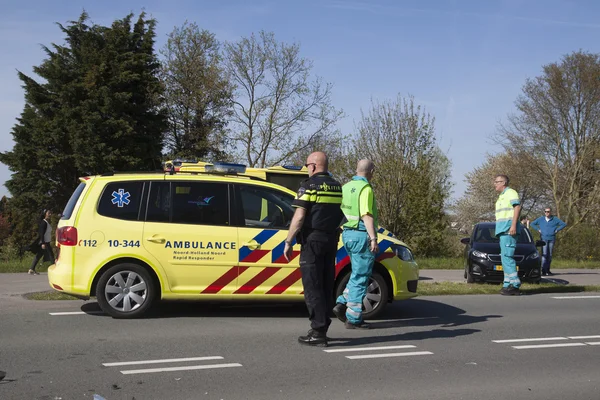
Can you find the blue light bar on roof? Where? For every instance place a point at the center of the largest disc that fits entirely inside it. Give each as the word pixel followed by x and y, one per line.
pixel 292 167
pixel 226 168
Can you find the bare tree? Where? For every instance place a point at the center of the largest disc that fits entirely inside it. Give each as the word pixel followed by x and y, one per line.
pixel 558 124
pixel 279 110
pixel 197 93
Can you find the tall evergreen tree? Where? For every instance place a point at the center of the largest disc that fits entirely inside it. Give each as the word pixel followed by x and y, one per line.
pixel 95 109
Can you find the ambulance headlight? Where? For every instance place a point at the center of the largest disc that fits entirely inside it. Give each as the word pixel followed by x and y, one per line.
pixel 402 252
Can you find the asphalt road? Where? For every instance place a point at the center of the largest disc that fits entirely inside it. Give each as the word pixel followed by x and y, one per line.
pixel 452 347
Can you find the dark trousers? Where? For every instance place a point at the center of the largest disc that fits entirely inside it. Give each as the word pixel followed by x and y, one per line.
pixel 46 254
pixel 317 265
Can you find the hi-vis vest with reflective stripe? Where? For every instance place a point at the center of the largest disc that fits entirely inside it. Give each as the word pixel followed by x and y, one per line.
pixel 504 205
pixel 351 202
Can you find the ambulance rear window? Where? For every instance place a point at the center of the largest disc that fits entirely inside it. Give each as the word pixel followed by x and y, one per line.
pixel 68 211
pixel 290 181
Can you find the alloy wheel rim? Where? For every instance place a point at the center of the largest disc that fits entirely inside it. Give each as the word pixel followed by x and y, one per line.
pixel 126 291
pixel 372 297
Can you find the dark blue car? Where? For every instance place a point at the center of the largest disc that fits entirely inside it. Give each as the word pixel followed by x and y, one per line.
pixel 482 255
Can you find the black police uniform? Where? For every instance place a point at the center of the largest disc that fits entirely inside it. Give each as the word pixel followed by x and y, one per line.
pixel 321 196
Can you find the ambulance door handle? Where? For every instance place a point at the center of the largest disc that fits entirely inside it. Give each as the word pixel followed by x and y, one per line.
pixel 155 239
pixel 253 244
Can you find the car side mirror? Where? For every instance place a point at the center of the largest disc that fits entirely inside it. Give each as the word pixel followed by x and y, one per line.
pixel 540 243
pixel 465 240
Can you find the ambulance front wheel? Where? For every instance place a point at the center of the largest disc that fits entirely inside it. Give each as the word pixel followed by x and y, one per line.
pixel 125 291
pixel 376 298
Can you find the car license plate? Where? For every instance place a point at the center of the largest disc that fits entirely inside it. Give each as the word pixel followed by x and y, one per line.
pixel 499 268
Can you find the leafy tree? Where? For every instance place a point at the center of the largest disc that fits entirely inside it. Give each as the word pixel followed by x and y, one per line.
pixel 197 94
pixel 478 202
pixel 279 110
pixel 558 124
pixel 95 109
pixel 412 175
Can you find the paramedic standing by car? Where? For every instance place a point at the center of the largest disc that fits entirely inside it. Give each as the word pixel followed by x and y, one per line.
pixel 315 226
pixel 508 207
pixel 548 225
pixel 360 241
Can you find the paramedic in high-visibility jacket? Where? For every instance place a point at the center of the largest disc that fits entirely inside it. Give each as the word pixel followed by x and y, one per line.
pixel 508 207
pixel 360 240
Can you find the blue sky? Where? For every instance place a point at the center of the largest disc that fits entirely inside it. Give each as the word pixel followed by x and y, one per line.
pixel 464 60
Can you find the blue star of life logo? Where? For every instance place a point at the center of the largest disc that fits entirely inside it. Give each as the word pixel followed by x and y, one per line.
pixel 120 198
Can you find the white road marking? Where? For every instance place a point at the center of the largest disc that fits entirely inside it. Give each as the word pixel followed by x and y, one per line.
pixel 593 343
pixel 585 337
pixel 529 340
pixel 171 369
pixel 576 297
pixel 370 348
pixel 541 346
pixel 76 313
pixel 115 364
pixel 413 353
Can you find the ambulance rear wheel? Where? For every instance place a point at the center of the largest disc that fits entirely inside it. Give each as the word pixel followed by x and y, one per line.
pixel 376 298
pixel 125 291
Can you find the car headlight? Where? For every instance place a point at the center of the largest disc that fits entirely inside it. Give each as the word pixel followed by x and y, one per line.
pixel 479 254
pixel 533 256
pixel 402 252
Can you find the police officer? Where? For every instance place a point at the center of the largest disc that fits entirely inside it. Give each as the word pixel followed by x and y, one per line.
pixel 315 226
pixel 360 241
pixel 508 207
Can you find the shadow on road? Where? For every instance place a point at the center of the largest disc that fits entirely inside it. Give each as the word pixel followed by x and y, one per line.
pixel 409 313
pixel 186 309
pixel 409 336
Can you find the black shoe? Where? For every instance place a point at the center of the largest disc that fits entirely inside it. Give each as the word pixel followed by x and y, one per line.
pixel 544 273
pixel 510 291
pixel 549 273
pixel 340 311
pixel 361 325
pixel 314 338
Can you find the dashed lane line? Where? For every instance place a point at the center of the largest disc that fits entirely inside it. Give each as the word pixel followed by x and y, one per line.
pixel 529 340
pixel 384 355
pixel 380 355
pixel 75 313
pixel 408 346
pixel 171 369
pixel 170 360
pixel 584 337
pixel 542 346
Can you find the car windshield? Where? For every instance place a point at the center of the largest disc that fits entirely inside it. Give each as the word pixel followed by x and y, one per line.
pixel 486 234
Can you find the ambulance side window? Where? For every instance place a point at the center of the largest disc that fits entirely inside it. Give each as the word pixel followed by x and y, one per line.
pixel 121 200
pixel 201 203
pixel 264 208
pixel 159 202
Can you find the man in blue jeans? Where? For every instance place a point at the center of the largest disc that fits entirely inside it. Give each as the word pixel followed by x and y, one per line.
pixel 548 225
pixel 508 207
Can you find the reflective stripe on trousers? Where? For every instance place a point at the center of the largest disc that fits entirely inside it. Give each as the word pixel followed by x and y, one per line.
pixel 508 245
pixel 362 259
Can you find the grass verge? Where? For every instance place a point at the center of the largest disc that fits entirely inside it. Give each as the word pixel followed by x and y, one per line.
pixel 21 265
pixel 458 288
pixel 49 295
